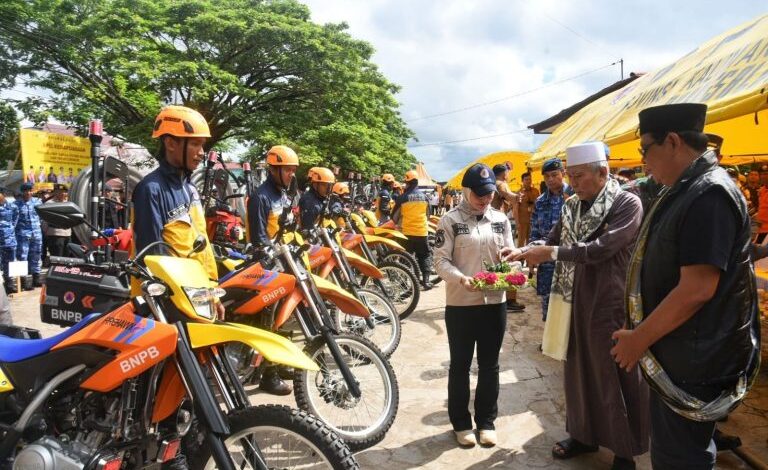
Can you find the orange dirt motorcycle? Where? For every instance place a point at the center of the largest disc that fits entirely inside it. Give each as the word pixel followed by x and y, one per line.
pixel 339 265
pixel 355 391
pixel 399 284
pixel 126 389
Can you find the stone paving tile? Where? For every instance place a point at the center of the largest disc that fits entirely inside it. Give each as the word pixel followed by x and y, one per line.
pixel 531 402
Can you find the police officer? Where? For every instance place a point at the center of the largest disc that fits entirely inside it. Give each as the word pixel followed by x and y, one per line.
pixel 384 200
pixel 29 236
pixel 468 235
pixel 411 215
pixel 265 205
pixel 321 181
pixel 9 215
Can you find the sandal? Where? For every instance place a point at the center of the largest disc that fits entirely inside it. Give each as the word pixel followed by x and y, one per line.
pixel 569 448
pixel 620 463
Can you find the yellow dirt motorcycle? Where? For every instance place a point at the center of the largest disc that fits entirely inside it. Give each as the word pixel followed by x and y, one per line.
pixel 152 370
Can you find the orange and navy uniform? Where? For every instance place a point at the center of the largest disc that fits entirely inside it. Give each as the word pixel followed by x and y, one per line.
pixel 167 207
pixel 264 208
pixel 411 212
pixel 383 205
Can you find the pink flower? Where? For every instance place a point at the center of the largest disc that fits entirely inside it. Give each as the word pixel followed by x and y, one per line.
pixel 491 278
pixel 516 279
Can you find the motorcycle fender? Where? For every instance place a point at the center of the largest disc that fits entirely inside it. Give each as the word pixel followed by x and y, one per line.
pixel 273 347
pixel 374 239
pixel 170 393
pixel 363 265
pixel 286 309
pixel 389 233
pixel 232 264
pixel 343 299
pixel 326 268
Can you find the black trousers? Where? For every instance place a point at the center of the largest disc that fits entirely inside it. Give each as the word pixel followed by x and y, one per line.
pixel 57 246
pixel 678 442
pixel 484 326
pixel 419 246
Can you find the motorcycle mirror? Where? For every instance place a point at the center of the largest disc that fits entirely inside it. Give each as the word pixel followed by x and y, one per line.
pixel 198 246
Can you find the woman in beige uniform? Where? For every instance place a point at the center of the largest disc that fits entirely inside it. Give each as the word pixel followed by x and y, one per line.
pixel 468 235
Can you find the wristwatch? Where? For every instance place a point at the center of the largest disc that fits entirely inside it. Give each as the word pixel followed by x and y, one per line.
pixel 553 253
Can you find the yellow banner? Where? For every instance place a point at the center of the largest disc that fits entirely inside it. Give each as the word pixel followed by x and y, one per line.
pixel 52 158
pixel 729 73
pixel 518 161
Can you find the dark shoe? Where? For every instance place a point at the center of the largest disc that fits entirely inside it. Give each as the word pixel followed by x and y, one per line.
pixel 10 285
pixel 37 281
pixel 285 372
pixel 569 448
pixel 272 383
pixel 27 283
pixel 622 464
pixel 515 307
pixel 426 285
pixel 725 441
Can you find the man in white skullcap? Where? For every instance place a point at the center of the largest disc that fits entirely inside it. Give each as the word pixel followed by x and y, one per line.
pixel 590 244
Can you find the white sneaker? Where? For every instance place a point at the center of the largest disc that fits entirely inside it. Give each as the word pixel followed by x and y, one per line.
pixel 466 438
pixel 488 437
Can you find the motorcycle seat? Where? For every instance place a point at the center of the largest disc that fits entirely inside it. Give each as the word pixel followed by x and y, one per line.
pixel 15 350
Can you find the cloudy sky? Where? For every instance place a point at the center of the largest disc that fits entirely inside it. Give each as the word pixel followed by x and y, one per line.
pixel 449 55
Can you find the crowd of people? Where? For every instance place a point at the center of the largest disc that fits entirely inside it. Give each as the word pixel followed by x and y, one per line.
pixel 647 288
pixel 648 294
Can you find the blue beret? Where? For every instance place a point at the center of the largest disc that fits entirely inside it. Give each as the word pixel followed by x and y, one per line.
pixel 552 164
pixel 26 187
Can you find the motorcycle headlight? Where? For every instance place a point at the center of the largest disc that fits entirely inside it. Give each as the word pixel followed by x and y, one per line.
pixel 202 299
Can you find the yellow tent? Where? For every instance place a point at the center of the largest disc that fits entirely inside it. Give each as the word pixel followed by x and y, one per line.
pixel 729 73
pixel 517 159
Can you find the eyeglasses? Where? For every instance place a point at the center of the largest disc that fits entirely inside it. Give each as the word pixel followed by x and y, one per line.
pixel 644 150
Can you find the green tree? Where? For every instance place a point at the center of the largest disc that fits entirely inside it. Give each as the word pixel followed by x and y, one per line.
pixel 260 71
pixel 9 134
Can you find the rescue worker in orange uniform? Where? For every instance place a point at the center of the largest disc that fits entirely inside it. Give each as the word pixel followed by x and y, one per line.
pixel 383 208
pixel 411 214
pixel 265 205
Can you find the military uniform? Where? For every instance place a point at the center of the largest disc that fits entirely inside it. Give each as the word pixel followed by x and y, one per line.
pixel 463 241
pixel 9 215
pixel 29 236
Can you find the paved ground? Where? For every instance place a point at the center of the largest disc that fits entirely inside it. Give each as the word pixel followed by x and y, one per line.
pixel 531 404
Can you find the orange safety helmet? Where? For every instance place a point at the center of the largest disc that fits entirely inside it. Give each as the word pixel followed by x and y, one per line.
pixel 411 175
pixel 320 174
pixel 341 188
pixel 388 178
pixel 282 155
pixel 180 121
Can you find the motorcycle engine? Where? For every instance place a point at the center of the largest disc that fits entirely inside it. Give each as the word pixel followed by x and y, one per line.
pixel 49 453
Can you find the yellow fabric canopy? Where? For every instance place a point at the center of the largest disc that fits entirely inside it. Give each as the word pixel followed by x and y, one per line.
pixel 729 73
pixel 517 159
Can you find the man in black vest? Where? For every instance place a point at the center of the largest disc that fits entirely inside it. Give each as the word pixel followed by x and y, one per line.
pixel 691 298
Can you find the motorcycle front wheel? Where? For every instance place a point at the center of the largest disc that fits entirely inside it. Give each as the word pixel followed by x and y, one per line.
pixel 287 438
pixel 386 331
pixel 399 285
pixel 362 422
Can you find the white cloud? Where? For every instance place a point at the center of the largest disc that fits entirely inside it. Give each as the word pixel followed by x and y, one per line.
pixel 452 54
